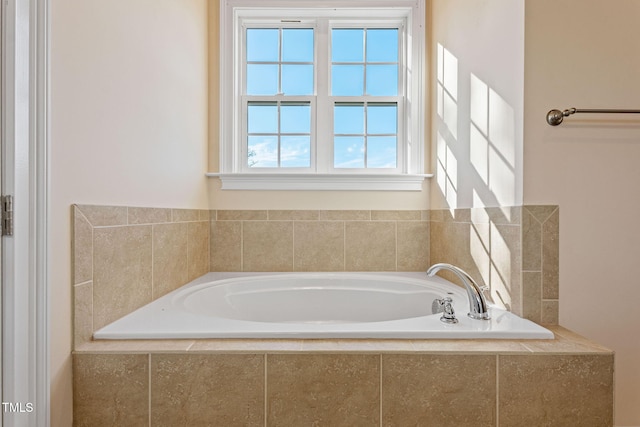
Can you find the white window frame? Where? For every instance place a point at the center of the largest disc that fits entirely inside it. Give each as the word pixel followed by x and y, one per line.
pixel 322 176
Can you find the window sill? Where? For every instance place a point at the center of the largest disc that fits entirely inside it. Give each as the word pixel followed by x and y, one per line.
pixel 321 182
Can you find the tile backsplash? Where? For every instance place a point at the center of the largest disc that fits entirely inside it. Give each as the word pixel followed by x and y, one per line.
pixel 319 240
pixel 125 257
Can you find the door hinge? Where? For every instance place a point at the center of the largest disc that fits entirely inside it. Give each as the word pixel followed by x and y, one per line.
pixel 7 215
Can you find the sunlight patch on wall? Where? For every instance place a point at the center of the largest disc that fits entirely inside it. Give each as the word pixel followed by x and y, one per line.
pixel 492 145
pixel 447 90
pixel 447 171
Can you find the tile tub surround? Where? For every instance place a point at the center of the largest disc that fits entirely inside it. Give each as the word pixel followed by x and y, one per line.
pixel 514 250
pixel 565 381
pixel 125 257
pixel 319 240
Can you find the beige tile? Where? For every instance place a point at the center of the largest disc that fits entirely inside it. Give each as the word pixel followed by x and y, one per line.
pixel 550 257
pixel 198 249
pixel 532 295
pixel 450 243
pixel 370 246
pixel 82 248
pixel 566 335
pixel 470 346
pixel 300 215
pixel 345 215
pixel 82 313
pixel 102 216
pixel 455 215
pixel 319 245
pixel 232 215
pixel 148 215
pixel 425 215
pixel 531 243
pixel 170 269
pixel 436 215
pixel 226 246
pixel 323 390
pixel 204 215
pixel 267 246
pixel 343 345
pixel 247 345
pixel 550 312
pixel 540 212
pixel 207 389
pixel 439 390
pixel 556 390
pixel 563 344
pixel 396 215
pixel 135 346
pixel 413 245
pixel 110 390
pixel 185 215
pixel 506 275
pixel 507 215
pixel 122 272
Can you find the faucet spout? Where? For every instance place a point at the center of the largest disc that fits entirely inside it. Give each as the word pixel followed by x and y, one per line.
pixel 477 302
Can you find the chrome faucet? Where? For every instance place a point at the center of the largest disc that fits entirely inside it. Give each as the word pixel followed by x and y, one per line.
pixel 477 301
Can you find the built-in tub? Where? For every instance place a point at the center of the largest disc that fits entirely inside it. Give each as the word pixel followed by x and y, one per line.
pixel 314 305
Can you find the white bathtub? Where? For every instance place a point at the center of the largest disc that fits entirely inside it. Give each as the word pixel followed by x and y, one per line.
pixel 314 305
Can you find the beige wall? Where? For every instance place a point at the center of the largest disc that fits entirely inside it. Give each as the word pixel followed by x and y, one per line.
pixel 586 54
pixel 128 127
pixel 477 64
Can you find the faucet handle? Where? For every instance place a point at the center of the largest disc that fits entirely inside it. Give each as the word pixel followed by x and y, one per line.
pixel 448 313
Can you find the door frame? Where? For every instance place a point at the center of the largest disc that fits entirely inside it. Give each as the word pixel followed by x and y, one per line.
pixel 25 169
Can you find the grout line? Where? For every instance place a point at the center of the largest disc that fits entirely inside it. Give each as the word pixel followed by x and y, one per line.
pixel 241 245
pixel 380 398
pixel 293 245
pixel 395 225
pixel 149 386
pixel 497 390
pixel 153 255
pixel 265 390
pixel 344 245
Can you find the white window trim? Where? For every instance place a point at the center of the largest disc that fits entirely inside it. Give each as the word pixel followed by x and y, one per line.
pixel 232 174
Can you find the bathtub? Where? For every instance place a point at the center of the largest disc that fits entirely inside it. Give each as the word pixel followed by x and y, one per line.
pixel 314 305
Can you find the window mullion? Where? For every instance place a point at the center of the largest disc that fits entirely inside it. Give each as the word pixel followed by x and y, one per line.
pixel 324 108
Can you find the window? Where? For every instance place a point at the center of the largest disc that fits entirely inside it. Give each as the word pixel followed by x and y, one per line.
pixel 322 92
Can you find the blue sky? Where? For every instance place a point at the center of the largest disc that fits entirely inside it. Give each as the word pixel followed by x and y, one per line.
pixel 362 62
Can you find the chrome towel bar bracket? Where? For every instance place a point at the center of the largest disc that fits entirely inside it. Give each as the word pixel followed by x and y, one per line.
pixel 555 117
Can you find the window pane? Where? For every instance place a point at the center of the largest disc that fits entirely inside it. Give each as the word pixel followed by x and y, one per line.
pixel 381 152
pixel 262 79
pixel 382 45
pixel 348 152
pixel 262 117
pixel 382 119
pixel 347 45
pixel 347 80
pixel 295 118
pixel 262 44
pixel 348 119
pixel 382 80
pixel 297 45
pixel 263 151
pixel 295 151
pixel 297 79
